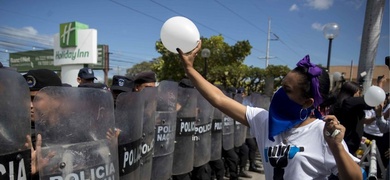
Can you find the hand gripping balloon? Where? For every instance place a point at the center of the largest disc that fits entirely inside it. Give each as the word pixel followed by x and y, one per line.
pixel 179 32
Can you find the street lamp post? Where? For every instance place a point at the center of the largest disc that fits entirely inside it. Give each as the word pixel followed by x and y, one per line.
pixel 205 54
pixel 331 31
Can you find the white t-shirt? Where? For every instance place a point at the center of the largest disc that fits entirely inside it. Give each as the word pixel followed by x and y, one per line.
pixel 313 158
pixel 372 128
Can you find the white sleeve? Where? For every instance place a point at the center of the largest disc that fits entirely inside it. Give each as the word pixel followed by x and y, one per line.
pixel 257 119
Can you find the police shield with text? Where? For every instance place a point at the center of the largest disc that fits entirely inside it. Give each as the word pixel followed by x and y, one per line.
pixel 74 123
pixel 15 158
pixel 165 128
pixel 149 96
pixel 129 113
pixel 183 157
pixel 202 135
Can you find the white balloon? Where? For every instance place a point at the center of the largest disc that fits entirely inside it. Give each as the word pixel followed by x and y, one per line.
pixel 179 32
pixel 374 96
pixel 336 76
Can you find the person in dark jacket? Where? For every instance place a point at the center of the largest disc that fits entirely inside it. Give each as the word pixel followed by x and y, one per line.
pixel 349 109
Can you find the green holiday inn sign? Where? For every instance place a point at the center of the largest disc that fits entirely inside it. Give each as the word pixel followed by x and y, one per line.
pixel 68 48
pixel 68 33
pixel 44 59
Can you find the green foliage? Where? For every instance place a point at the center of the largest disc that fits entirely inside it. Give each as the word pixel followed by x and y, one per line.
pixel 109 82
pixel 277 71
pixel 140 67
pixel 223 58
pixel 168 66
pixel 225 66
pixel 255 79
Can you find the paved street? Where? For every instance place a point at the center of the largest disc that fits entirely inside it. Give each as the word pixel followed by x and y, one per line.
pixel 255 176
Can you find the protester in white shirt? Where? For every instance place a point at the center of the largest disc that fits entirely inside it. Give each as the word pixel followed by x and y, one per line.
pixel 295 141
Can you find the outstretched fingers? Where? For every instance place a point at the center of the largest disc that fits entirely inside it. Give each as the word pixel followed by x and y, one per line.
pixel 29 143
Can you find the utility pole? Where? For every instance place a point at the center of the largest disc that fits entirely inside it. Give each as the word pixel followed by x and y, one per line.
pixel 371 34
pixel 268 39
pixel 118 70
pixel 267 57
pixel 106 64
pixel 350 71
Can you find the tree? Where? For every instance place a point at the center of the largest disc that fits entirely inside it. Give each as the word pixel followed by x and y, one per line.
pixel 222 64
pixel 140 67
pixel 255 79
pixel 225 66
pixel 274 73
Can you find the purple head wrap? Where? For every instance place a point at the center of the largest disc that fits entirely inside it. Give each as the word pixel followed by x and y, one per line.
pixel 313 71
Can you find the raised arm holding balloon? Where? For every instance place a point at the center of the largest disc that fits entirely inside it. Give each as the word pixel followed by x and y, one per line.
pixel 214 95
pixel 283 132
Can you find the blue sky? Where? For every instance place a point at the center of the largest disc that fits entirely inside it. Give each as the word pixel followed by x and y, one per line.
pixel 131 27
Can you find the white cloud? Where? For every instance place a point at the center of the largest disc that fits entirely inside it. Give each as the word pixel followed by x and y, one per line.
pixel 27 35
pixel 355 3
pixel 30 30
pixel 294 7
pixel 319 4
pixel 317 26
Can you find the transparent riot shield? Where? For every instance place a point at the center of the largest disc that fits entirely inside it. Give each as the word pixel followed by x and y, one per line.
pixel 129 113
pixel 216 135
pixel 15 158
pixel 165 127
pixel 228 130
pixel 183 154
pixel 74 123
pixel 246 101
pixel 147 140
pixel 260 100
pixel 239 129
pixel 202 136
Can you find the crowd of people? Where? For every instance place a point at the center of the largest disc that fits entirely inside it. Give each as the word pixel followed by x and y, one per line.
pixel 307 130
pixel 49 105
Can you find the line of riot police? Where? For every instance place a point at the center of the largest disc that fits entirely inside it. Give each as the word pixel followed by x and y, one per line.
pixel 143 131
